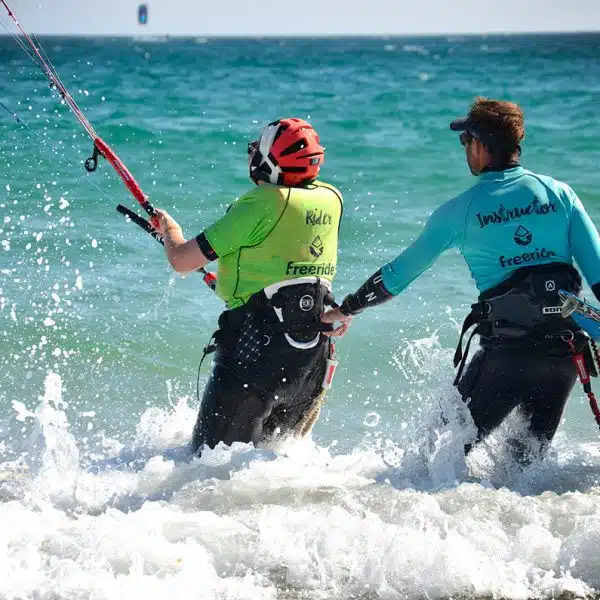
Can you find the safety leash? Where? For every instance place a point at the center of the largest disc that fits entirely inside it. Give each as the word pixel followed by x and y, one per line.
pixel 305 426
pixel 584 376
pixel 208 349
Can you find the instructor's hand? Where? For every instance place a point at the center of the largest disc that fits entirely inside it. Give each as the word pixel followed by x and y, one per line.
pixel 166 222
pixel 333 316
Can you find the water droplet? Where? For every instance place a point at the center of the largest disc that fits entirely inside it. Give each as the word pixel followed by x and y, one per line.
pixel 372 419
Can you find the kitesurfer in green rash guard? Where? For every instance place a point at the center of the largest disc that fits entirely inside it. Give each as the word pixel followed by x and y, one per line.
pixel 519 233
pixel 276 248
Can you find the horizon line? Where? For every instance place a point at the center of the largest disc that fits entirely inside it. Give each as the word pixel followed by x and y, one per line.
pixel 256 36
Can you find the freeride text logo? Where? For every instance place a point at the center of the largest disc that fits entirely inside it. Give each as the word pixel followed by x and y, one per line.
pixel 310 269
pixel 526 257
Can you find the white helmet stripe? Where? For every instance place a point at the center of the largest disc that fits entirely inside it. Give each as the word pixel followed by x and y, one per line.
pixel 267 138
pixel 266 141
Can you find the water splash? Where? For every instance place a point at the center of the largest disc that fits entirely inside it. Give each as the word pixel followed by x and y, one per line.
pixel 53 456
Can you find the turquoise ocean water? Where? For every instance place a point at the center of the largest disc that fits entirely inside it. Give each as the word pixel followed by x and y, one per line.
pixel 100 342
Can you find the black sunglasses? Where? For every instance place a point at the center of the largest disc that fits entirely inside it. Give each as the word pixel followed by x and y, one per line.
pixel 466 138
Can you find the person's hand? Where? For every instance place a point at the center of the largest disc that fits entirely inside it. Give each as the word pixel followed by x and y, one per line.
pixel 334 316
pixel 166 222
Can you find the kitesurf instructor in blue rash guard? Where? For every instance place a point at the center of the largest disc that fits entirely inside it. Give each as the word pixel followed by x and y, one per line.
pixel 519 233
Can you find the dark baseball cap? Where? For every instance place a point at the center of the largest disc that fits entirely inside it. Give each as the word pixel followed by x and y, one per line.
pixel 475 129
pixel 461 124
pixel 490 136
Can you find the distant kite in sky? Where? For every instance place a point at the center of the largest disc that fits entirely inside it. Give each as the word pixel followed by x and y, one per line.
pixel 143 14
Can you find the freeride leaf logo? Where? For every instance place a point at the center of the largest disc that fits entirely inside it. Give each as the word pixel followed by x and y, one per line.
pixel 522 236
pixel 316 247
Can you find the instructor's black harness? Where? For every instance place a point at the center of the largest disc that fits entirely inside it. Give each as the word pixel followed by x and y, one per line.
pixel 526 307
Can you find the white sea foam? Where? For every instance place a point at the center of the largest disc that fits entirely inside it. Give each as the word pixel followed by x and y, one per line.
pixel 293 521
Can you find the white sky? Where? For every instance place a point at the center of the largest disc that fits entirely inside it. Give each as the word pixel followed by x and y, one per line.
pixel 297 17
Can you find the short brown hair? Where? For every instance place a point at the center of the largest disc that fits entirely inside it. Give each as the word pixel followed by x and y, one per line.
pixel 501 119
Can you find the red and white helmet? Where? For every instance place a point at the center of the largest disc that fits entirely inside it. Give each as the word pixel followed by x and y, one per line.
pixel 288 153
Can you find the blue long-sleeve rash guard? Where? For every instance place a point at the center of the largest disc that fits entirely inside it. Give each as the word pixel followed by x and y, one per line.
pixel 508 220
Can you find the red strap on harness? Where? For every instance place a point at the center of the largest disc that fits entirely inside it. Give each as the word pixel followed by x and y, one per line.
pixel 584 377
pixel 331 366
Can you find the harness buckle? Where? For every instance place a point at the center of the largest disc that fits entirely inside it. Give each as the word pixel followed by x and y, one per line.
pixel 486 308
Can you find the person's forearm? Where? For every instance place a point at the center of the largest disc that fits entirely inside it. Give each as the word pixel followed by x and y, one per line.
pixel 184 256
pixel 371 293
pixel 173 239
